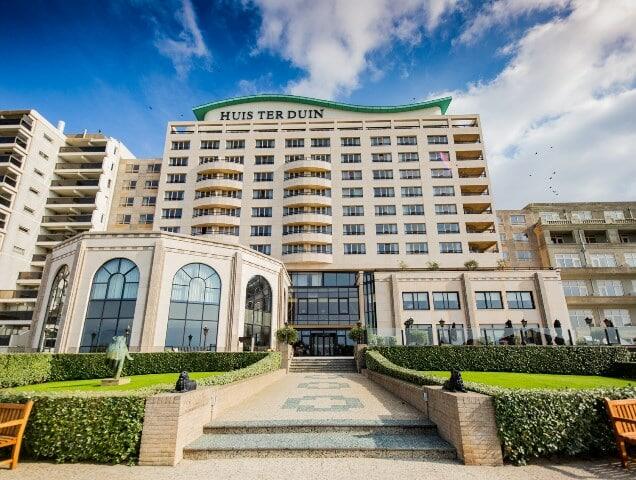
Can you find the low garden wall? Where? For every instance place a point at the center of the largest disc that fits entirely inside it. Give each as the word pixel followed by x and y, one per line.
pixel 106 427
pixel 530 423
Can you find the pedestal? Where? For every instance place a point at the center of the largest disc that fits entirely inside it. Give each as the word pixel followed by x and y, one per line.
pixel 110 382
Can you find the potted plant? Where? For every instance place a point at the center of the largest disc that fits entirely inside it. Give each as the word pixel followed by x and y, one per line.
pixel 287 334
pixel 471 265
pixel 502 264
pixel 357 333
pixel 432 265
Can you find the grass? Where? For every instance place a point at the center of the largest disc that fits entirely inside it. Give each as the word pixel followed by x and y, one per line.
pixel 538 380
pixel 136 382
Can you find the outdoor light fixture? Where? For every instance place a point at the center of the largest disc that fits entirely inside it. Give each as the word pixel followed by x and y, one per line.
pixel 442 322
pixel 524 322
pixel 408 323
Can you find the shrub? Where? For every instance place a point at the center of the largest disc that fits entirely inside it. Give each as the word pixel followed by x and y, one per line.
pixel 471 265
pixel 523 359
pixel 534 423
pixel 287 334
pixel 357 333
pixel 625 370
pixel 23 369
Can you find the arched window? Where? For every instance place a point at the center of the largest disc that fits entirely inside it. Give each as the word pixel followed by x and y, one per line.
pixel 193 319
pixel 111 308
pixel 258 312
pixel 57 298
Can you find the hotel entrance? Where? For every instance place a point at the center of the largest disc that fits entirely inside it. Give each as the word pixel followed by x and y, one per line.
pixel 324 343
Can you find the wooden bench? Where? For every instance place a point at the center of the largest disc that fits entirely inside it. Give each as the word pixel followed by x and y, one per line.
pixel 13 420
pixel 622 413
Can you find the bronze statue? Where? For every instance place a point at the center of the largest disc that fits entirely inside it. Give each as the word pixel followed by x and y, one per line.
pixel 116 354
pixel 455 383
pixel 184 384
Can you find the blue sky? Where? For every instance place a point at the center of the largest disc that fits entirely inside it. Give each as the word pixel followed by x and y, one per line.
pixel 549 77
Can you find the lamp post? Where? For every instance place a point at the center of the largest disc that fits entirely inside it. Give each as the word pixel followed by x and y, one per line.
pixel 440 332
pixel 190 340
pixel 205 336
pixel 127 333
pixel 407 324
pixel 524 324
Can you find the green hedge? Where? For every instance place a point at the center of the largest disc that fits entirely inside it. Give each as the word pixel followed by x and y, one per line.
pixel 625 370
pixel 523 359
pixel 24 369
pixel 535 423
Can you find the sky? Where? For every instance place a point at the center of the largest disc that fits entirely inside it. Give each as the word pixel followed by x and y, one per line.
pixel 554 81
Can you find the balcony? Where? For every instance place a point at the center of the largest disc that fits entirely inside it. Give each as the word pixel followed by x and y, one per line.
pixel 474 191
pixel 220 165
pixel 477 209
pixel 307 199
pixel 595 236
pixel 16 315
pixel 8 183
pixel 66 185
pixel 466 139
pixel 61 203
pixel 627 236
pixel 217 201
pixel 82 152
pixel 216 219
pixel 307 255
pixel 474 172
pixel 70 220
pixel 10 162
pixel 309 234
pixel 480 227
pixel 5 201
pixel 18 142
pixel 218 183
pixel 18 294
pixel 16 122
pixel 307 181
pixel 307 219
pixel 295 164
pixel 77 168
pixel 29 278
pixel 469 155
pixel 53 239
pixel 486 246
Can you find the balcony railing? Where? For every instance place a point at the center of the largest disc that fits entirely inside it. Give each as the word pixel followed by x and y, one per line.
pixel 6 202
pixel 17 294
pixel 79 166
pixel 30 275
pixel 10 159
pixel 75 183
pixel 66 218
pixel 16 315
pixel 38 257
pixel 12 182
pixel 70 200
pixel 101 149
pixel 23 121
pixel 54 237
pixel 17 140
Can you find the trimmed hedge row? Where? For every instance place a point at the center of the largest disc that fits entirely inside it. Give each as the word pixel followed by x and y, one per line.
pixel 24 369
pixel 625 370
pixel 522 359
pixel 535 423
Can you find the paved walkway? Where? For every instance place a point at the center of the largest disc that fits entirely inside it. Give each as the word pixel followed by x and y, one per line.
pixel 321 469
pixel 315 396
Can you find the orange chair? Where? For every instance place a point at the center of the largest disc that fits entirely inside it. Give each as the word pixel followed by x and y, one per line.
pixel 622 413
pixel 13 420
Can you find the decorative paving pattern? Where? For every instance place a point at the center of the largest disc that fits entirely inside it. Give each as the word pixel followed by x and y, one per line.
pixel 323 385
pixel 322 403
pixel 324 376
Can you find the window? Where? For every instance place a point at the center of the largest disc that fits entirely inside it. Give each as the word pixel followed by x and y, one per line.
pixel 630 259
pixel 381 157
pixel 39 173
pixel 261 231
pixel 153 168
pixel 416 209
pixel 261 211
pixel 127 201
pixel 352 174
pixel 415 228
pixel 524 255
pixel 262 248
pixel 43 155
pixel 437 139
pixel 446 300
pixel 321 157
pixel 610 288
pixel 408 157
pixel 520 300
pixel 111 307
pixel 353 229
pixel 54 307
pixel 488 300
pixel 415 301
pixel 444 191
pixel 355 249
pixel 265 143
pixel 173 195
pixel 411 191
pixel 438 156
pixel 181 145
pixel 263 194
pixel 409 174
pixel 376 141
pixel 388 249
pixel 441 173
pixel 517 219
pixel 618 316
pixel 443 228
pixel 264 159
pixel 350 158
pixel 384 192
pixel 320 142
pixel 146 218
pixel 352 192
pixel 520 237
pixel 124 219
pixel 234 144
pixel 210 144
pixel 263 176
pixel 575 288
pixel 450 247
pixel 176 178
pixel 149 201
pixel 171 213
pixel 350 141
pixel 152 184
pixel 613 215
pixel 18 250
pixel 178 162
pixel 386 229
pixel 382 174
pixel 567 260
pixel 384 210
pixel 416 248
pixel 258 312
pixel 446 209
pixel 294 143
pixel 23 229
pixel 193 316
pixel 170 229
pixel 352 211
pixel 410 140
pixel 600 260
pixel 33 190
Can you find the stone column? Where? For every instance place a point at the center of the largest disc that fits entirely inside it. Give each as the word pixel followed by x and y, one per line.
pixel 234 304
pixel 70 314
pixel 148 328
pixel 395 304
pixel 360 282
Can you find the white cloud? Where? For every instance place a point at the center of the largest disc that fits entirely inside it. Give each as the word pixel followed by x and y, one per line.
pixel 333 41
pixel 568 94
pixel 187 45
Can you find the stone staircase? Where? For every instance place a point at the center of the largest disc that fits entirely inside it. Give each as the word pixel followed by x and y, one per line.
pixel 386 438
pixel 322 364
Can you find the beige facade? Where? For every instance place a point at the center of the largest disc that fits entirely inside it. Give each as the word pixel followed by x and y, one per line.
pixel 594 247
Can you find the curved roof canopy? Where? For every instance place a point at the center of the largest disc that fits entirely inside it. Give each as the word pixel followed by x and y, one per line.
pixel 201 110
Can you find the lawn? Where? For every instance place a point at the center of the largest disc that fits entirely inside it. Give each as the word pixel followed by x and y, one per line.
pixel 538 380
pixel 136 381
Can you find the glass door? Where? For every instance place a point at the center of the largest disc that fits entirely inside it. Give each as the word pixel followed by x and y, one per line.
pixel 322 344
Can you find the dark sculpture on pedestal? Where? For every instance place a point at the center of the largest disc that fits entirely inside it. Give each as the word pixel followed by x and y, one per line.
pixel 184 384
pixel 455 383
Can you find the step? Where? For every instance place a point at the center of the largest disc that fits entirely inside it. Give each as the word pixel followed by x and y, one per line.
pixel 323 444
pixel 360 427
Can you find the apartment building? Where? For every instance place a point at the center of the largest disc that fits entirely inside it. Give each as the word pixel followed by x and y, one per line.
pixel 592 244
pixel 135 195
pixel 59 185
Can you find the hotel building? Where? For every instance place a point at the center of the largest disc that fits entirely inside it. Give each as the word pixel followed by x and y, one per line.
pixel 594 247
